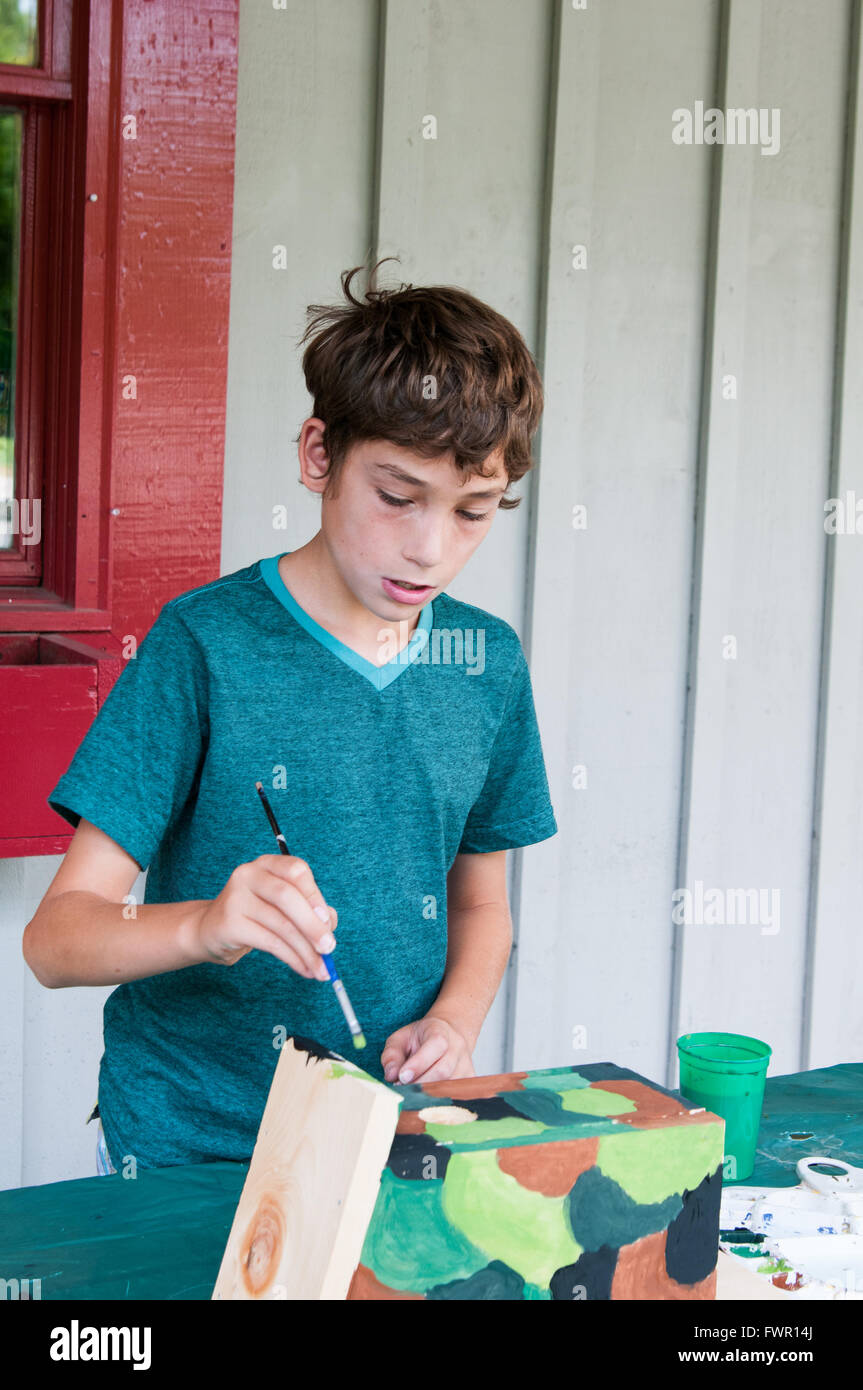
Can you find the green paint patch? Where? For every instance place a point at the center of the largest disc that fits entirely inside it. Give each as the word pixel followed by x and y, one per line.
pixel 338 1069
pixel 411 1243
pixel 651 1164
pixel 552 1081
pixel 580 1128
pixel 480 1131
pixel 595 1101
pixel 748 1252
pixel 525 1230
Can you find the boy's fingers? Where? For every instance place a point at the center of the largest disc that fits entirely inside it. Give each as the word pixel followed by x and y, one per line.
pixel 261 939
pixel 441 1071
pixel 394 1053
pixel 271 917
pixel 285 894
pixel 297 872
pixel 423 1058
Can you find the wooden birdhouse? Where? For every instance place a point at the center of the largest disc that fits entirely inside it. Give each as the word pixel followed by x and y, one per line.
pixel 576 1183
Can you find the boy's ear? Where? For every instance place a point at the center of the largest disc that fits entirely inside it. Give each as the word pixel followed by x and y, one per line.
pixel 313 457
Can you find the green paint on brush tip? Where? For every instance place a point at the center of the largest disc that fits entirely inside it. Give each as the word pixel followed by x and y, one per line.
pixel 360 1040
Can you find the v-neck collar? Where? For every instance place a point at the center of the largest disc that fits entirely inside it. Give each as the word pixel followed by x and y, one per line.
pixel 380 676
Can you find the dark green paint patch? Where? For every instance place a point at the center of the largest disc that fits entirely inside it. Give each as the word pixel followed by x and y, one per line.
pixel 601 1213
pixel 546 1107
pixel 690 1245
pixel 415 1098
pixel 497 1281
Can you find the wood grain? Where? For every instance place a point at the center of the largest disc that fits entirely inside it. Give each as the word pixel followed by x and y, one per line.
pixel 313 1180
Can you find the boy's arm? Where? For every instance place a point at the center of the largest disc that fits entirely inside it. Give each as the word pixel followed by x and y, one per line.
pixel 84 934
pixel 479 940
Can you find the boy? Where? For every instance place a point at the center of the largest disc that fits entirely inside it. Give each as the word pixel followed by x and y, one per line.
pixel 392 727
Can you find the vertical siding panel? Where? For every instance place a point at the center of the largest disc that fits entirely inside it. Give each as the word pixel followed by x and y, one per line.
pixel 702 803
pixel 833 1026
pixel 621 348
pixel 750 756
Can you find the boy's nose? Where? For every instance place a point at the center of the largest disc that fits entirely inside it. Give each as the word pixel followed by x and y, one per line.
pixel 425 554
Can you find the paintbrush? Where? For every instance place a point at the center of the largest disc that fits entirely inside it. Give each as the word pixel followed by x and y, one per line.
pixel 341 993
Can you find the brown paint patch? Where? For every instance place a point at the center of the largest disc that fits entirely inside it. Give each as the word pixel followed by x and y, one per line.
pixel 636 1121
pixel 262 1246
pixel 641 1274
pixel 366 1285
pixel 649 1102
pixel 782 1281
pixel 410 1123
pixel 477 1087
pixel 653 1106
pixel 549 1168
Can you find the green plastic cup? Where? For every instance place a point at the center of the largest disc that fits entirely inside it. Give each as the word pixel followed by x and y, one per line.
pixel 725 1072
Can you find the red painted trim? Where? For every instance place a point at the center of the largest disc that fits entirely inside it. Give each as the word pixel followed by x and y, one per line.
pixel 175 223
pixel 154 259
pixel 87 570
pixel 41 613
pixel 28 82
pixel 51 687
pixel 47 844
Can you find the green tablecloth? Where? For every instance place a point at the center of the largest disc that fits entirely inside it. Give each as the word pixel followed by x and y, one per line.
pixel 162 1235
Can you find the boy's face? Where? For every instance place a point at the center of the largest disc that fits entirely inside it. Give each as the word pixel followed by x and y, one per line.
pixel 400 517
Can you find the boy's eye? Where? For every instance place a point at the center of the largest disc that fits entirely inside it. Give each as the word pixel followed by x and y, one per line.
pixel 405 502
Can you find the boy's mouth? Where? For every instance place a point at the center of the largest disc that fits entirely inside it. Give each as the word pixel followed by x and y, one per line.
pixel 405 592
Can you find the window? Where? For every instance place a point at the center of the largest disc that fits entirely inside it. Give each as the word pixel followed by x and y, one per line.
pixel 40 223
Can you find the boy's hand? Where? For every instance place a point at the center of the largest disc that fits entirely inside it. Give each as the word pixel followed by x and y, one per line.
pixel 270 904
pixel 431 1049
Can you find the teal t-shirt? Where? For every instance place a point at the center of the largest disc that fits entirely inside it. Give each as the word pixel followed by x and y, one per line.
pixel 378 778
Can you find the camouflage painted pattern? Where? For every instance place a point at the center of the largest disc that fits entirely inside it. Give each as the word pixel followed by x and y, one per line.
pixel 572 1183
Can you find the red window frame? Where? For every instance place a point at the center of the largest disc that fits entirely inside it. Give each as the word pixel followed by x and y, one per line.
pixel 113 550
pixel 52 99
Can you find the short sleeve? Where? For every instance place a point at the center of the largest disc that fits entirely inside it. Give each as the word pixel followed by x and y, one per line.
pixel 138 762
pixel 513 807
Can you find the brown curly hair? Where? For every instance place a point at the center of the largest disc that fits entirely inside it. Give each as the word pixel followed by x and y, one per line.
pixel 431 369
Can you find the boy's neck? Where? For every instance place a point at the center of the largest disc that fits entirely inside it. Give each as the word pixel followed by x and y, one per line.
pixel 312 579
